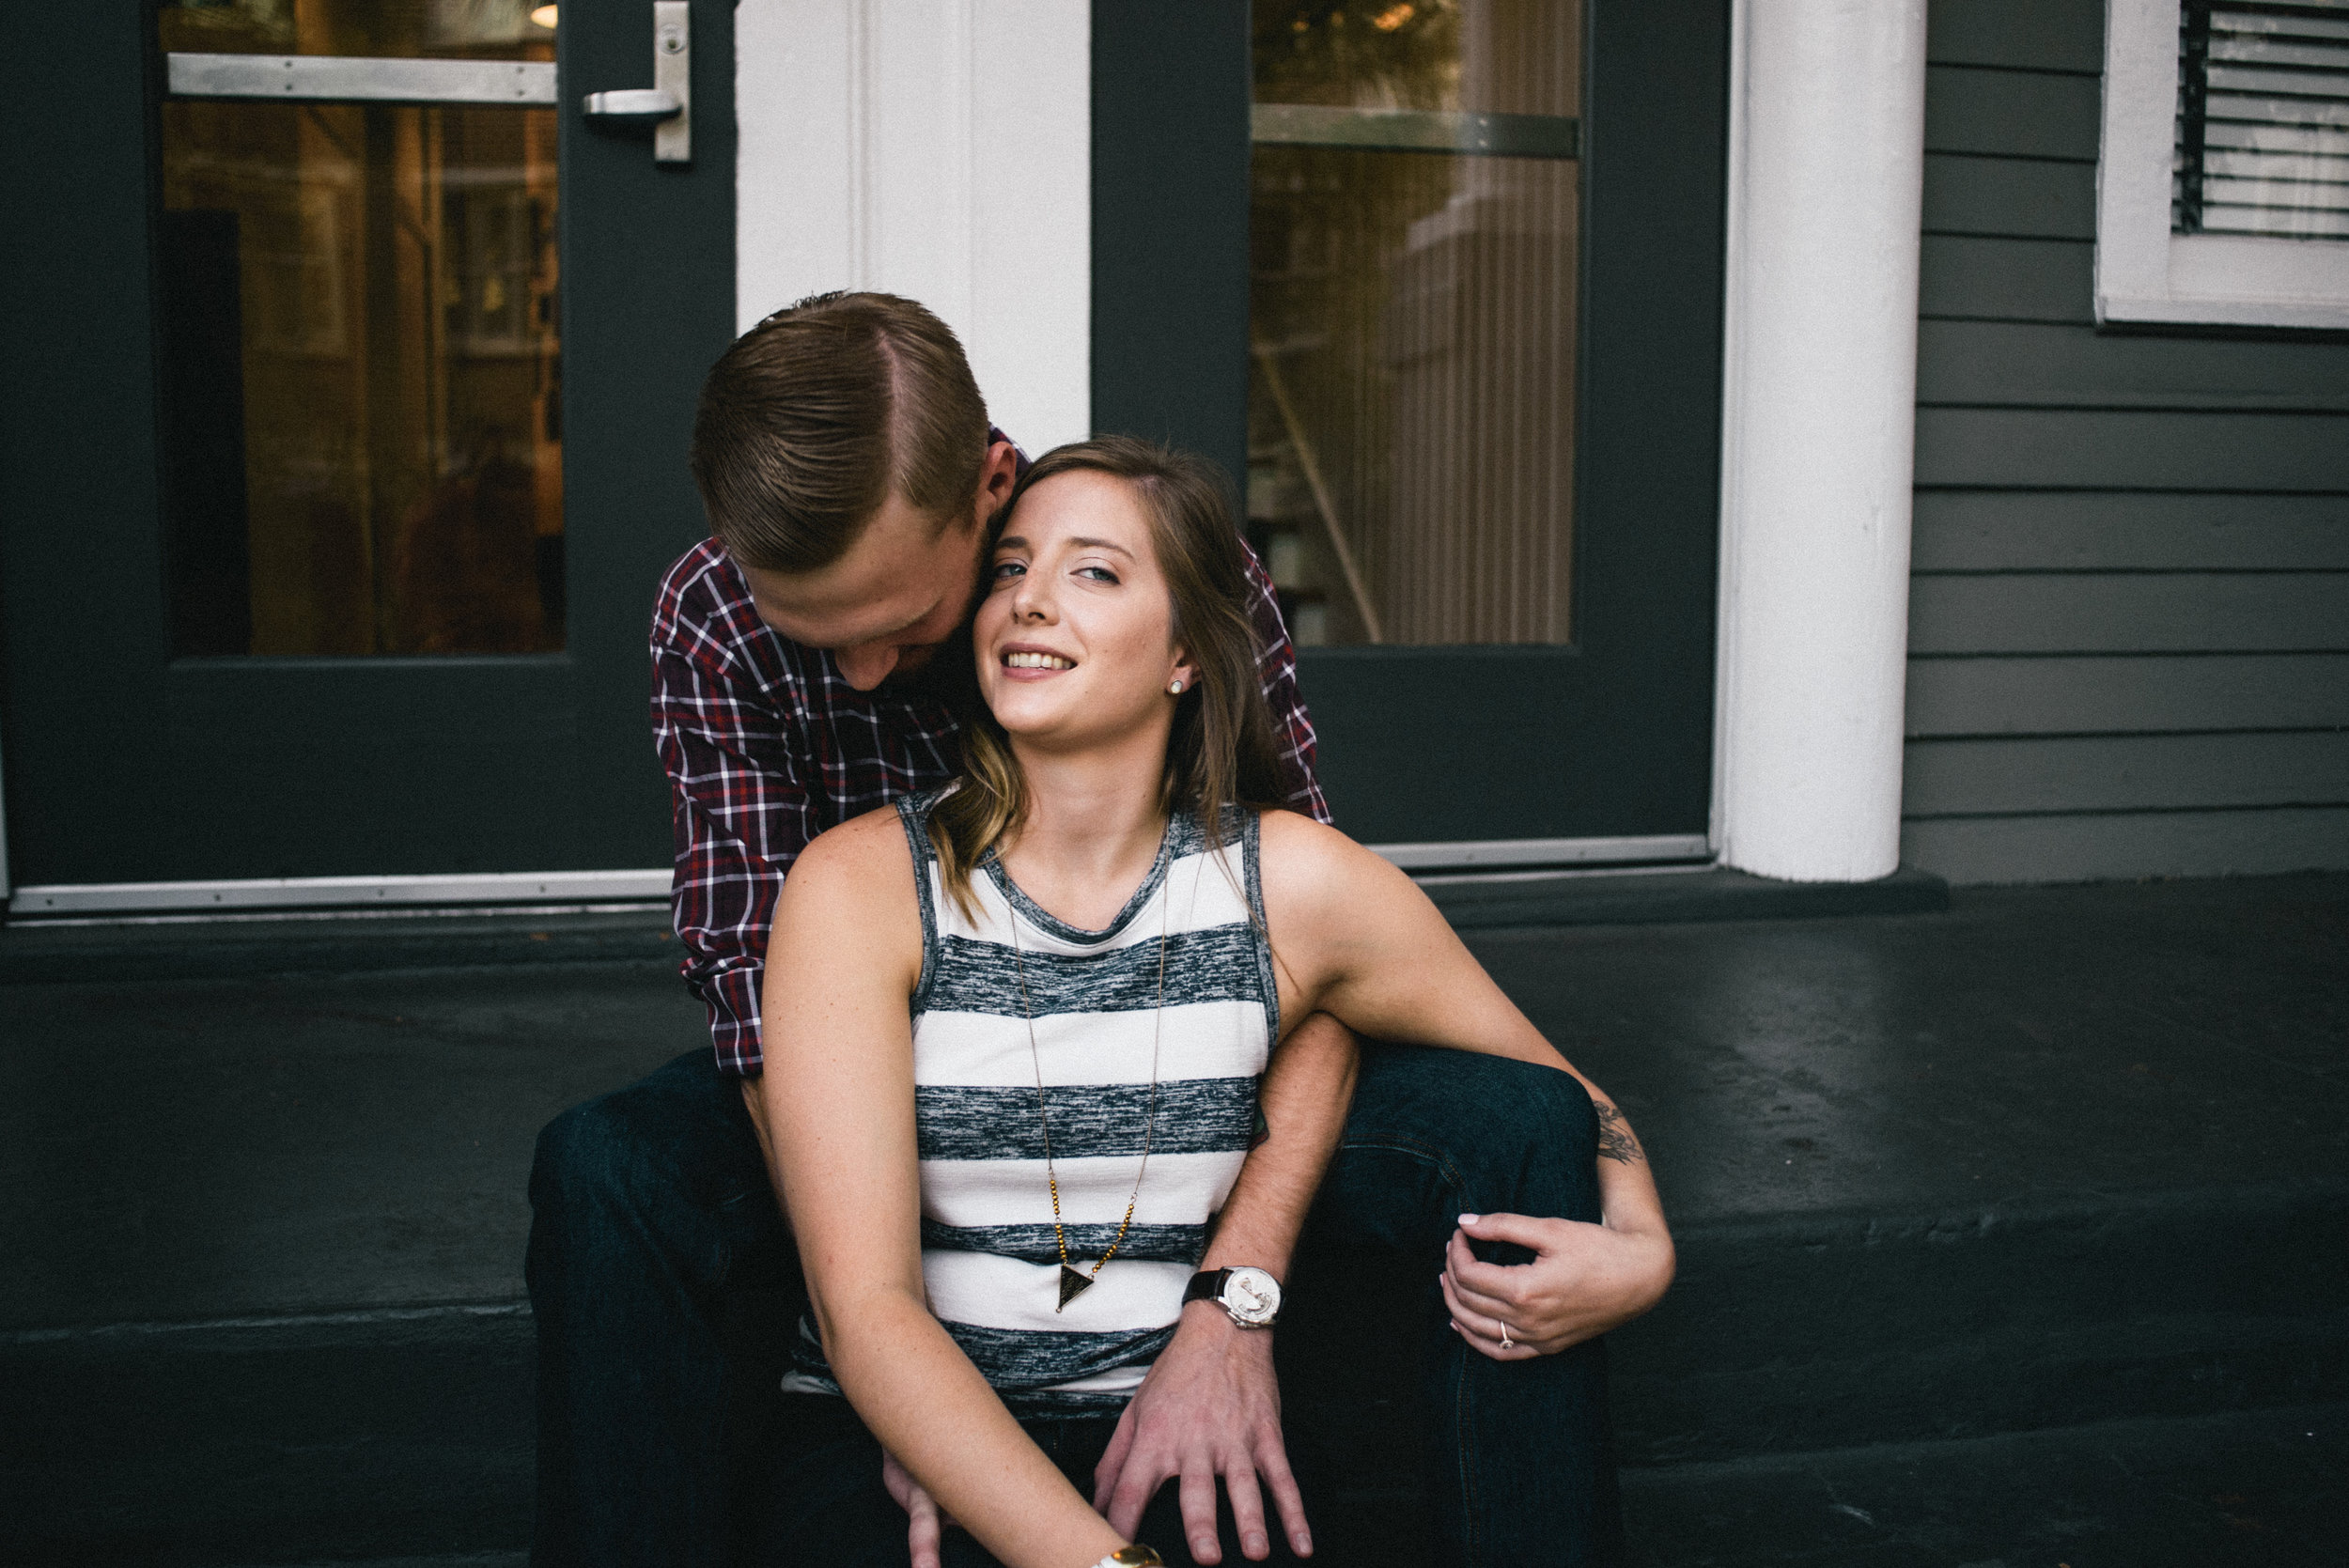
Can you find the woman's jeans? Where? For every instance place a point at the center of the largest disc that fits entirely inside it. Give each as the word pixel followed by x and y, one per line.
pixel 653 1221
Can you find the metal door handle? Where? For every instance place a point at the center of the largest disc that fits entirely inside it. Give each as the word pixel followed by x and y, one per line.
pixel 667 105
pixel 632 103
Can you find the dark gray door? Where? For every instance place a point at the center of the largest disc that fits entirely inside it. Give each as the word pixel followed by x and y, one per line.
pixel 348 436
pixel 1463 350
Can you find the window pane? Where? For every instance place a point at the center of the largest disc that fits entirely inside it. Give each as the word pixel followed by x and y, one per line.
pixel 359 350
pixel 1411 398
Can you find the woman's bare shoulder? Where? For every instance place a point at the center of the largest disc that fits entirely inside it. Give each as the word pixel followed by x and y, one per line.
pixel 864 868
pixel 862 842
pixel 1314 862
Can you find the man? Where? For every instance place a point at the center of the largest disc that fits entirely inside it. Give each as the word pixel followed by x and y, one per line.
pixel 803 658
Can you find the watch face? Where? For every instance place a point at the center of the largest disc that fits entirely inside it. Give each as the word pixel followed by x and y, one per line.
pixel 1251 1295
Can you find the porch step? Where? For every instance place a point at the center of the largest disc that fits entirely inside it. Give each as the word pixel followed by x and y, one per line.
pixel 2247 1489
pixel 2047 1160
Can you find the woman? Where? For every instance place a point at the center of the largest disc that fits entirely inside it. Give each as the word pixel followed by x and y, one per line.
pixel 1013 1028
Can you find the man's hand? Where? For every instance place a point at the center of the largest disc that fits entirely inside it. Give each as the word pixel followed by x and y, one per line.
pixel 925 1519
pixel 1584 1280
pixel 1210 1406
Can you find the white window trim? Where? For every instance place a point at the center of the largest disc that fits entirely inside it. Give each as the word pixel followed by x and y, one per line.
pixel 2143 271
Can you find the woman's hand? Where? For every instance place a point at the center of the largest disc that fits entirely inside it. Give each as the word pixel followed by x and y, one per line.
pixel 925 1520
pixel 1583 1281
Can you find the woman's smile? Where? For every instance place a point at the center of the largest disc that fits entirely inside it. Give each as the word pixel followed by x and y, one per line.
pixel 1026 661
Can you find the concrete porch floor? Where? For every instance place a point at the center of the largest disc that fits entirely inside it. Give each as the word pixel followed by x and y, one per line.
pixel 1948 1186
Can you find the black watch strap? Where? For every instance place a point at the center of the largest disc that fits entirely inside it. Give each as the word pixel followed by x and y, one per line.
pixel 1206 1285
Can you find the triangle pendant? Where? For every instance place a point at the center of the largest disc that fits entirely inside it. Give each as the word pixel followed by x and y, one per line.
pixel 1072 1285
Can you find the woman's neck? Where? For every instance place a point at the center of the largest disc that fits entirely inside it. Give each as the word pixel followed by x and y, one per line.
pixel 1093 830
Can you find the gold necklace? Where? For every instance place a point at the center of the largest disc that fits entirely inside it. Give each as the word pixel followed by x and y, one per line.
pixel 1072 1282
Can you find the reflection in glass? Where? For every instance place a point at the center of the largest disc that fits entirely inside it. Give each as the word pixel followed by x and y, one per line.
pixel 1412 398
pixel 359 348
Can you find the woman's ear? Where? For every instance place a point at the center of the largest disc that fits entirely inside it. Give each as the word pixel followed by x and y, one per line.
pixel 1185 672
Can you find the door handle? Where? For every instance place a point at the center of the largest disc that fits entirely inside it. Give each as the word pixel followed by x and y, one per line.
pixel 667 105
pixel 647 104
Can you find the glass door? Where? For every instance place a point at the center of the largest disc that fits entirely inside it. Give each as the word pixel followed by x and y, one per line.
pixel 1490 519
pixel 357 325
pixel 382 458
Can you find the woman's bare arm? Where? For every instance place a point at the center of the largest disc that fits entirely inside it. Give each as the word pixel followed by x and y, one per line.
pixel 838 1094
pixel 1357 939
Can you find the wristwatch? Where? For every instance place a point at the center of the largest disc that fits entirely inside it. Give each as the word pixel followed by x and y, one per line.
pixel 1135 1556
pixel 1251 1295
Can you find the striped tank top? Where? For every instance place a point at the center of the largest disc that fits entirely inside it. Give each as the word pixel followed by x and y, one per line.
pixel 989 1257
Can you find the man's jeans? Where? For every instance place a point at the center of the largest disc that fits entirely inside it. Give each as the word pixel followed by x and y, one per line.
pixel 653 1218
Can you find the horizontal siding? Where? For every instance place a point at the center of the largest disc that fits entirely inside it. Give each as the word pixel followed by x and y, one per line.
pixel 2014 363
pixel 1951 697
pixel 2030 531
pixel 2024 35
pixel 2012 114
pixel 2105 449
pixel 2129 617
pixel 2130 612
pixel 2125 773
pixel 2076 848
pixel 2025 198
pixel 2007 280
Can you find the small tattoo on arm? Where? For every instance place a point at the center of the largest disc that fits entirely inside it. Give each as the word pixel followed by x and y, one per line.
pixel 1615 1139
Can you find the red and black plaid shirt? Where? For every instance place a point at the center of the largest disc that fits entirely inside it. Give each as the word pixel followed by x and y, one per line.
pixel 766 746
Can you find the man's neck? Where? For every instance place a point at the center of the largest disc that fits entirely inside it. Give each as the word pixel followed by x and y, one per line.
pixel 1093 830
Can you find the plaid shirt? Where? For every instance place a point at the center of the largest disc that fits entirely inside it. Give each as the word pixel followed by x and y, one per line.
pixel 766 746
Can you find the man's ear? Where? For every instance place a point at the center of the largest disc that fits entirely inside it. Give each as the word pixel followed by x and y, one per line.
pixel 998 475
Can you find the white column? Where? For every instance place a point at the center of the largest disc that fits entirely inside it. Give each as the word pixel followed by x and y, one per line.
pixel 1827 165
pixel 941 149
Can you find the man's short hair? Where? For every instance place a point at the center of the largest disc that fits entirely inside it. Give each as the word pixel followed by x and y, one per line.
pixel 816 414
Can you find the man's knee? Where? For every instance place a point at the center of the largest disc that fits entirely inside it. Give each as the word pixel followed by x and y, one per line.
pixel 1511 1132
pixel 591 1155
pixel 1488 1099
pixel 1545 1109
pixel 668 1134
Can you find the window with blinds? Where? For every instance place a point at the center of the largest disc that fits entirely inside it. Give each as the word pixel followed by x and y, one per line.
pixel 2262 120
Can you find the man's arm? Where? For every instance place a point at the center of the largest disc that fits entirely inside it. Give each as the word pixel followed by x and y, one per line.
pixel 1276 666
pixel 1211 1405
pixel 739 815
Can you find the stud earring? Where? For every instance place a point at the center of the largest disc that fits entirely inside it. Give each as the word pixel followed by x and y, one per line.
pixel 1175 689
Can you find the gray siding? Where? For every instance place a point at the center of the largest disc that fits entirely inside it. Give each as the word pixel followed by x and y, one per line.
pixel 2129 615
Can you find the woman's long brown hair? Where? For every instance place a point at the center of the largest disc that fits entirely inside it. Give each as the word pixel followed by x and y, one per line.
pixel 1221 754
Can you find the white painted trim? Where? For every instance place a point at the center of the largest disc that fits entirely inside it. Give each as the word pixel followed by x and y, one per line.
pixel 354 893
pixel 1546 852
pixel 2143 271
pixel 941 149
pixel 1819 368
pixel 5 883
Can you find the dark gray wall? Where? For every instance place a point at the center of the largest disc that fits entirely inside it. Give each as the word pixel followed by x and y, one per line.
pixel 2129 612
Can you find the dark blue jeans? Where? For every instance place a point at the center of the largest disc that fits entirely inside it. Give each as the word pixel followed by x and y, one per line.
pixel 655 1239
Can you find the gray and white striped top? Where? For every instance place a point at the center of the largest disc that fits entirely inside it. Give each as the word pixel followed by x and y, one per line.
pixel 989 1257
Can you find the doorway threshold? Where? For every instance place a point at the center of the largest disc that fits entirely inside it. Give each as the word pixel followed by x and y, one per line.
pixel 1669 895
pixel 277 897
